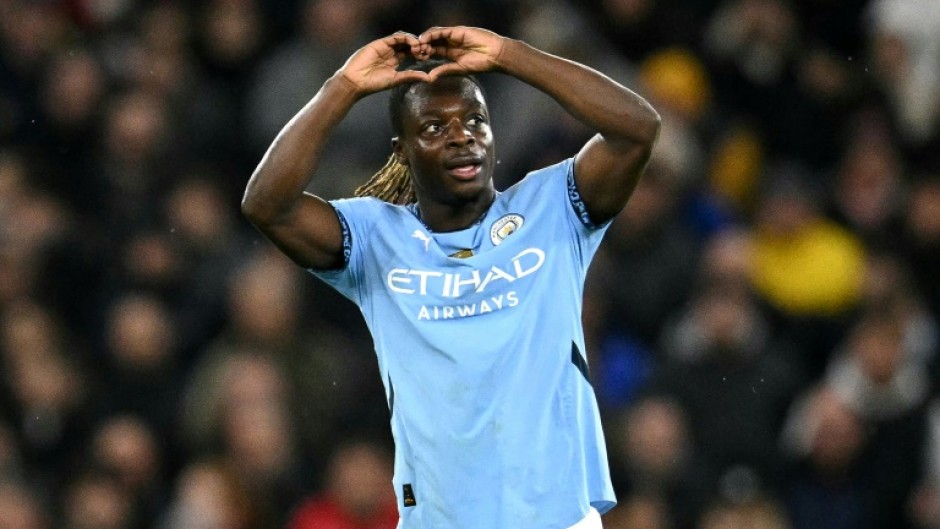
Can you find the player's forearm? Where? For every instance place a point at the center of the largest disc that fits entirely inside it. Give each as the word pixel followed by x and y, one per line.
pixel 277 184
pixel 617 113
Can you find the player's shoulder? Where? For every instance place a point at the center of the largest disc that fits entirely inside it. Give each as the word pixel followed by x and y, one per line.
pixel 533 188
pixel 368 209
pixel 537 179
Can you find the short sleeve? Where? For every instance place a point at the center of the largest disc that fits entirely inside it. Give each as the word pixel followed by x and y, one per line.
pixel 356 217
pixel 588 234
pixel 577 203
pixel 555 190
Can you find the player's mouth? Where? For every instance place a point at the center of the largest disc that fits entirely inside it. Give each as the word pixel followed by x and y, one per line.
pixel 466 172
pixel 465 168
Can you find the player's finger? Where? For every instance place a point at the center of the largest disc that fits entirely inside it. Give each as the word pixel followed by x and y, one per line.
pixel 411 76
pixel 400 39
pixel 404 34
pixel 450 68
pixel 440 51
pixel 421 51
pixel 434 34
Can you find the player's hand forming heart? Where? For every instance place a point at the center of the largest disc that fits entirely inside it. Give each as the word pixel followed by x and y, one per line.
pixel 375 66
pixel 470 50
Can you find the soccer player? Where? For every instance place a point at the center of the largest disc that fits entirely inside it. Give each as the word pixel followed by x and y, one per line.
pixel 473 296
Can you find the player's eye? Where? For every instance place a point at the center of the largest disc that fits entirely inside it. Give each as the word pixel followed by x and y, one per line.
pixel 433 128
pixel 476 120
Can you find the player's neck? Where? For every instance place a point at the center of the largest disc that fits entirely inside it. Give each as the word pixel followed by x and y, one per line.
pixel 443 217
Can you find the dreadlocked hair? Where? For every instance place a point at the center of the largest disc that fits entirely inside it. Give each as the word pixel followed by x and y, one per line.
pixel 392 183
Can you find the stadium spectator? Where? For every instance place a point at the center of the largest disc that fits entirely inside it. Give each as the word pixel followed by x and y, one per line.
pixel 125 447
pixel 640 512
pixel 49 394
pixel 329 33
pixel 96 500
pixel 73 91
pixel 355 496
pixel 731 378
pixel 921 237
pixel 208 495
pixel 808 269
pixel 753 513
pixel 646 269
pixel 661 477
pixel 869 186
pixel 905 49
pixel 206 242
pixel 22 508
pixel 925 502
pixel 881 381
pixel 260 444
pixel 142 376
pixel 826 486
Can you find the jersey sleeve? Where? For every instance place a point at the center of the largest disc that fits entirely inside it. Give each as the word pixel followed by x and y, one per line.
pixel 558 191
pixel 356 218
pixel 578 207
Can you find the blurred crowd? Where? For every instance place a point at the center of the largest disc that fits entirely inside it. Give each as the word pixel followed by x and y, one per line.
pixel 761 319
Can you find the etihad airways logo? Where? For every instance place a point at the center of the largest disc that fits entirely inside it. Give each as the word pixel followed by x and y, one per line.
pixel 452 285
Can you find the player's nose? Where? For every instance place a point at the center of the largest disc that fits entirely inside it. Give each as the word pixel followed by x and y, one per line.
pixel 458 135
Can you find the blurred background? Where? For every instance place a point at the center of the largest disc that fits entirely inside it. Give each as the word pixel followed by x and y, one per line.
pixel 761 319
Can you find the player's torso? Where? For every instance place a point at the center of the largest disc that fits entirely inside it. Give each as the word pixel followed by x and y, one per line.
pixel 472 290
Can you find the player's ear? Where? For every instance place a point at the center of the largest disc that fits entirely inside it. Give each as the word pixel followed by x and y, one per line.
pixel 399 151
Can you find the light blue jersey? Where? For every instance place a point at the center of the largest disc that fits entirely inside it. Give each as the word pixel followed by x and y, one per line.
pixel 495 422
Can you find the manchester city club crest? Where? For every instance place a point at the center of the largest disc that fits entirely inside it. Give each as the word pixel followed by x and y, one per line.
pixel 504 227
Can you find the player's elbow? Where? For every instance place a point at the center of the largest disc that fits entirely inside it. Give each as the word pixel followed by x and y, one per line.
pixel 257 210
pixel 636 131
pixel 650 123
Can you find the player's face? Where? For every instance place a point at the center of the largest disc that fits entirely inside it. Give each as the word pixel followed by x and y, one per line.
pixel 447 141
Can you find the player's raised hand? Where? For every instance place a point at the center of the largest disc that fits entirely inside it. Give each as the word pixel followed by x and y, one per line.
pixel 471 50
pixel 373 67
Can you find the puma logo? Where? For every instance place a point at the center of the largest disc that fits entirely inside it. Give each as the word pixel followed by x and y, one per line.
pixel 418 234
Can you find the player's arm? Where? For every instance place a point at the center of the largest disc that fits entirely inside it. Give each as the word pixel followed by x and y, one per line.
pixel 303 226
pixel 609 165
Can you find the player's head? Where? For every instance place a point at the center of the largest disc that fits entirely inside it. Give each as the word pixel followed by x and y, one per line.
pixel 400 93
pixel 443 146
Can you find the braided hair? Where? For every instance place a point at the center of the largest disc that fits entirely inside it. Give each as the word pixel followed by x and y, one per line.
pixel 392 183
